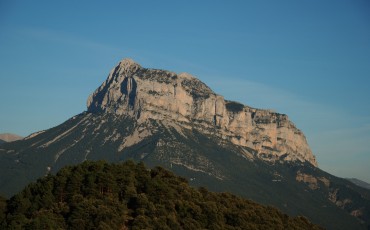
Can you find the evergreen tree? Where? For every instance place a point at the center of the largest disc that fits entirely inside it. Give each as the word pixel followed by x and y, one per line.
pixel 98 195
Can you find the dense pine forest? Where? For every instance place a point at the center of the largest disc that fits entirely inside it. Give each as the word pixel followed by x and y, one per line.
pixel 100 195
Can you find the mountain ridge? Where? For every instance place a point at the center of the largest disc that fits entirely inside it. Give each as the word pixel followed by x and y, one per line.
pixel 360 183
pixel 163 95
pixel 9 137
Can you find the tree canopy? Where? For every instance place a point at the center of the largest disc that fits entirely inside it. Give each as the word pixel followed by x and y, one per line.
pixel 100 195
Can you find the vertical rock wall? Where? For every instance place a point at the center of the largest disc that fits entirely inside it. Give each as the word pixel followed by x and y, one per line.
pixel 182 99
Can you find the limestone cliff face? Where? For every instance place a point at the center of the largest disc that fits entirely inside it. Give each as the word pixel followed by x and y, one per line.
pixel 187 103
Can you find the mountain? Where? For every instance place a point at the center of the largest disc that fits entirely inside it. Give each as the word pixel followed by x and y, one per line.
pixel 9 137
pixel 176 121
pixel 97 195
pixel 183 102
pixel 360 183
pixel 1 141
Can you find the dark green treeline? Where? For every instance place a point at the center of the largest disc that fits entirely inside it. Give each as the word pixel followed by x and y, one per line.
pixel 98 195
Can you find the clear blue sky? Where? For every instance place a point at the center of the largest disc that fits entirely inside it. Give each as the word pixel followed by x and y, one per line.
pixel 307 59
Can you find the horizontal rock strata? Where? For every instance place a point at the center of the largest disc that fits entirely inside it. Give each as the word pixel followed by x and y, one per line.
pixel 185 101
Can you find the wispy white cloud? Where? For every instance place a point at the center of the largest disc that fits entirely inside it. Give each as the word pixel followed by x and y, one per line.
pixel 341 144
pixel 339 139
pixel 303 111
pixel 62 37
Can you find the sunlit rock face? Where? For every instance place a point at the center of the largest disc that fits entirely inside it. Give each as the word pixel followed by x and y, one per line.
pixel 184 102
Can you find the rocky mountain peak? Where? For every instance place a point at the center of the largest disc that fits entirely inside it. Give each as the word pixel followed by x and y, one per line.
pixel 128 62
pixel 184 102
pixel 128 65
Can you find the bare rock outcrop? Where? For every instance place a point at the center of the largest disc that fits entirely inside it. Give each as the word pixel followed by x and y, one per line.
pixel 309 179
pixel 185 101
pixel 9 137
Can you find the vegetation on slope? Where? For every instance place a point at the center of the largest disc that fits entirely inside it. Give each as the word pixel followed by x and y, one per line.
pixel 130 196
pixel 234 106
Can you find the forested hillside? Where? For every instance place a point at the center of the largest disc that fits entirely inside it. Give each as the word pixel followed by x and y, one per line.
pixel 130 196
